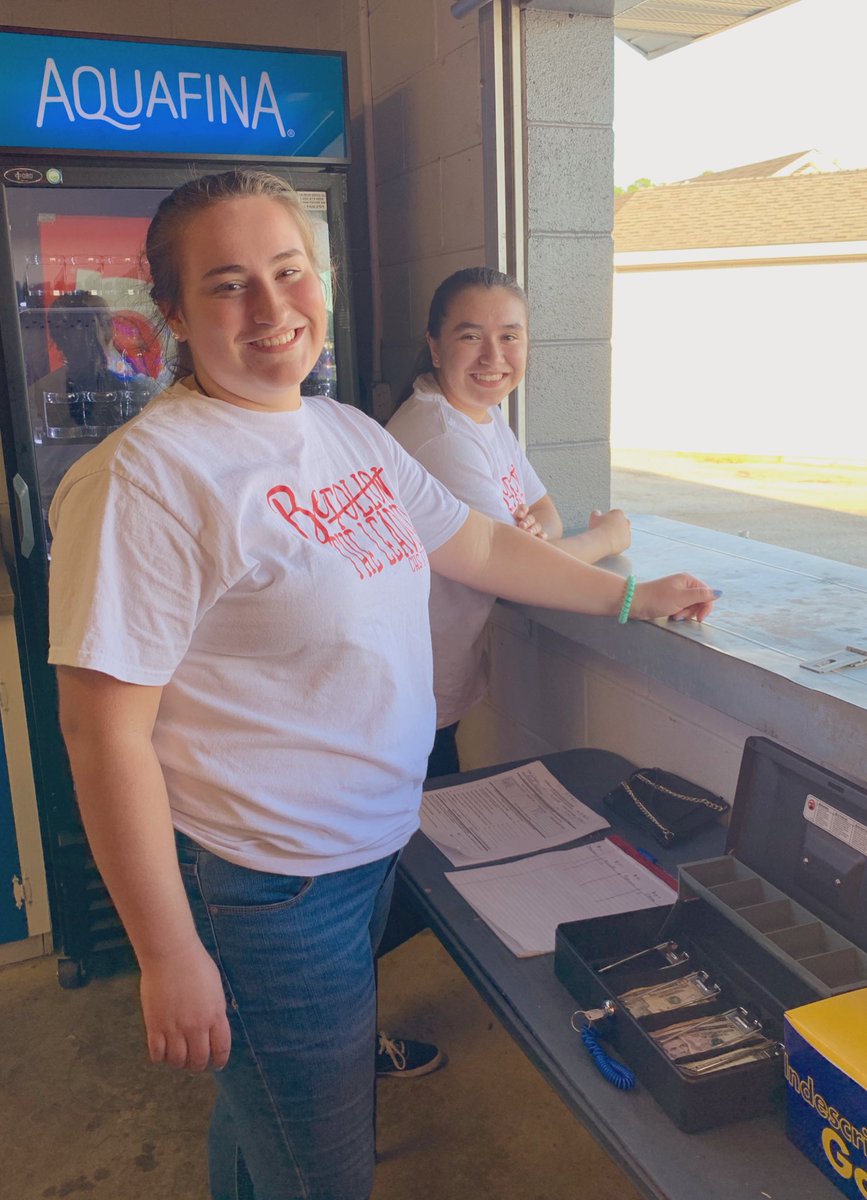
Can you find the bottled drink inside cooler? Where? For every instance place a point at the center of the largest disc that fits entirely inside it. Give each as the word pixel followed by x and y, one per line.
pixel 94 347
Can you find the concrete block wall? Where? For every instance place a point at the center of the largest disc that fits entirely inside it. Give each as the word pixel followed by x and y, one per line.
pixel 549 693
pixel 569 105
pixel 428 145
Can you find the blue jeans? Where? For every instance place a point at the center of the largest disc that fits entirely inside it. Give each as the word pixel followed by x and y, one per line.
pixel 443 758
pixel 405 920
pixel 294 1115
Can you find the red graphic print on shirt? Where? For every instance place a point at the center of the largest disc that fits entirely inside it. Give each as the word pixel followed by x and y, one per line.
pixel 513 489
pixel 359 517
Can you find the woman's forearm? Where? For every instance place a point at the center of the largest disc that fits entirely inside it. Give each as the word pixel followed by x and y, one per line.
pixel 588 546
pixel 123 802
pixel 607 534
pixel 501 560
pixel 107 727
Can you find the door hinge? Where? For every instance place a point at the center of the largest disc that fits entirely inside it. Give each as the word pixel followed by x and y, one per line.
pixel 22 891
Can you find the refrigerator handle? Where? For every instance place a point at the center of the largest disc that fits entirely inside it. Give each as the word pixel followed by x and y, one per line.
pixel 25 516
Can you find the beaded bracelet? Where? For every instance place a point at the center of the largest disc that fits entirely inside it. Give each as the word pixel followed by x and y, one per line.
pixel 627 600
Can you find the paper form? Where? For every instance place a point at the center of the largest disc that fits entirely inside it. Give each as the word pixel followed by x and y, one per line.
pixel 524 902
pixel 500 816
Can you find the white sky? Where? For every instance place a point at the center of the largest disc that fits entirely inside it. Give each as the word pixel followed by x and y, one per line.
pixel 790 81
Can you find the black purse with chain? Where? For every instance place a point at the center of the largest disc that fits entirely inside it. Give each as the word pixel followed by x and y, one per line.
pixel 664 805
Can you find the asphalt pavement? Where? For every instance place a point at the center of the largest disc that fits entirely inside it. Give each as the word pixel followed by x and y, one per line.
pixel 816 507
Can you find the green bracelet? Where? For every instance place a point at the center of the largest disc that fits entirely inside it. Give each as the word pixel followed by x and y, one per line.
pixel 627 600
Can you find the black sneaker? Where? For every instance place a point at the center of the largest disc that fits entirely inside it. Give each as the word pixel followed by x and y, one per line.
pixel 398 1058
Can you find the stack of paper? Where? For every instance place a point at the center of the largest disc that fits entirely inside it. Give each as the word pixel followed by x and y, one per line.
pixel 515 812
pixel 525 901
pixel 521 812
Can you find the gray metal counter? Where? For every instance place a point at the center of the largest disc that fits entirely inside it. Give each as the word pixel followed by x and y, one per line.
pixel 751 1160
pixel 778 608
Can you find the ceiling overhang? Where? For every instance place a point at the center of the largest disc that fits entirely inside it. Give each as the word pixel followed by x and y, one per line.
pixel 654 27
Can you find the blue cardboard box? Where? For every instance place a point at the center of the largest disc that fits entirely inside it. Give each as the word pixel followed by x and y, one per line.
pixel 826 1087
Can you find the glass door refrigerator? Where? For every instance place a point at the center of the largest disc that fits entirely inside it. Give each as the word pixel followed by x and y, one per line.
pixel 94 132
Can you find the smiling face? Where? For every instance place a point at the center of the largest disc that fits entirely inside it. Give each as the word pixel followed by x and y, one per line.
pixel 480 354
pixel 252 305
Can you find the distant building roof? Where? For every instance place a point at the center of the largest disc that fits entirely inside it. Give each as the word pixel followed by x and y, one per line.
pixel 719 212
pixel 804 162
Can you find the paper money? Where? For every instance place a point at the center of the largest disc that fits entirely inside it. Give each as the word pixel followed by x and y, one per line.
pixel 695 988
pixel 705 1034
pixel 755 1052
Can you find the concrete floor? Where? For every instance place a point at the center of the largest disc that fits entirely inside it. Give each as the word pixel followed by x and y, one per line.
pixel 82 1112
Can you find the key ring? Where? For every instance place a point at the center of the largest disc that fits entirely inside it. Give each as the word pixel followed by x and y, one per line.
pixel 609 1068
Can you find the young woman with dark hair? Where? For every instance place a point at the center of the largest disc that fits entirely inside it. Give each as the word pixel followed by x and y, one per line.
pixel 474 355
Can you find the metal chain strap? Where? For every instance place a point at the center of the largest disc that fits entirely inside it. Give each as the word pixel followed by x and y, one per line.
pixel 660 787
pixel 642 807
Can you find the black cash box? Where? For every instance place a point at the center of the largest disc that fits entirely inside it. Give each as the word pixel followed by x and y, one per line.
pixel 780 920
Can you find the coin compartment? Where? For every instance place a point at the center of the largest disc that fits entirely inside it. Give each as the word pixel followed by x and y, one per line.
pixel 743 893
pixel 807 947
pixel 840 970
pixel 771 917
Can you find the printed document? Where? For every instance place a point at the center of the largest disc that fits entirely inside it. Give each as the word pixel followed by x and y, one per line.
pixel 524 902
pixel 500 816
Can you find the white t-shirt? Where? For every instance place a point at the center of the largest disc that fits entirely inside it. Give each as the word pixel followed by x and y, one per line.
pixel 269 570
pixel 485 466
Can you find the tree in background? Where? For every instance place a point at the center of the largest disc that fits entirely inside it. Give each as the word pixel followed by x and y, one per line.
pixel 634 187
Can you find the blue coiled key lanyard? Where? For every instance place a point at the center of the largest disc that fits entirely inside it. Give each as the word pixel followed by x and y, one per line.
pixel 609 1068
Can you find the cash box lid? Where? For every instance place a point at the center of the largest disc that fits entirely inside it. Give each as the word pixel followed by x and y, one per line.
pixel 804 830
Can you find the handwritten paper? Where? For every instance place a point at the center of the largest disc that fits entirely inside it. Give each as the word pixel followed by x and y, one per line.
pixel 516 812
pixel 523 902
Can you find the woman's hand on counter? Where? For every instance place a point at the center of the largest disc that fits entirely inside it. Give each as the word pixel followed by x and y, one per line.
pixel 615 527
pixel 679 597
